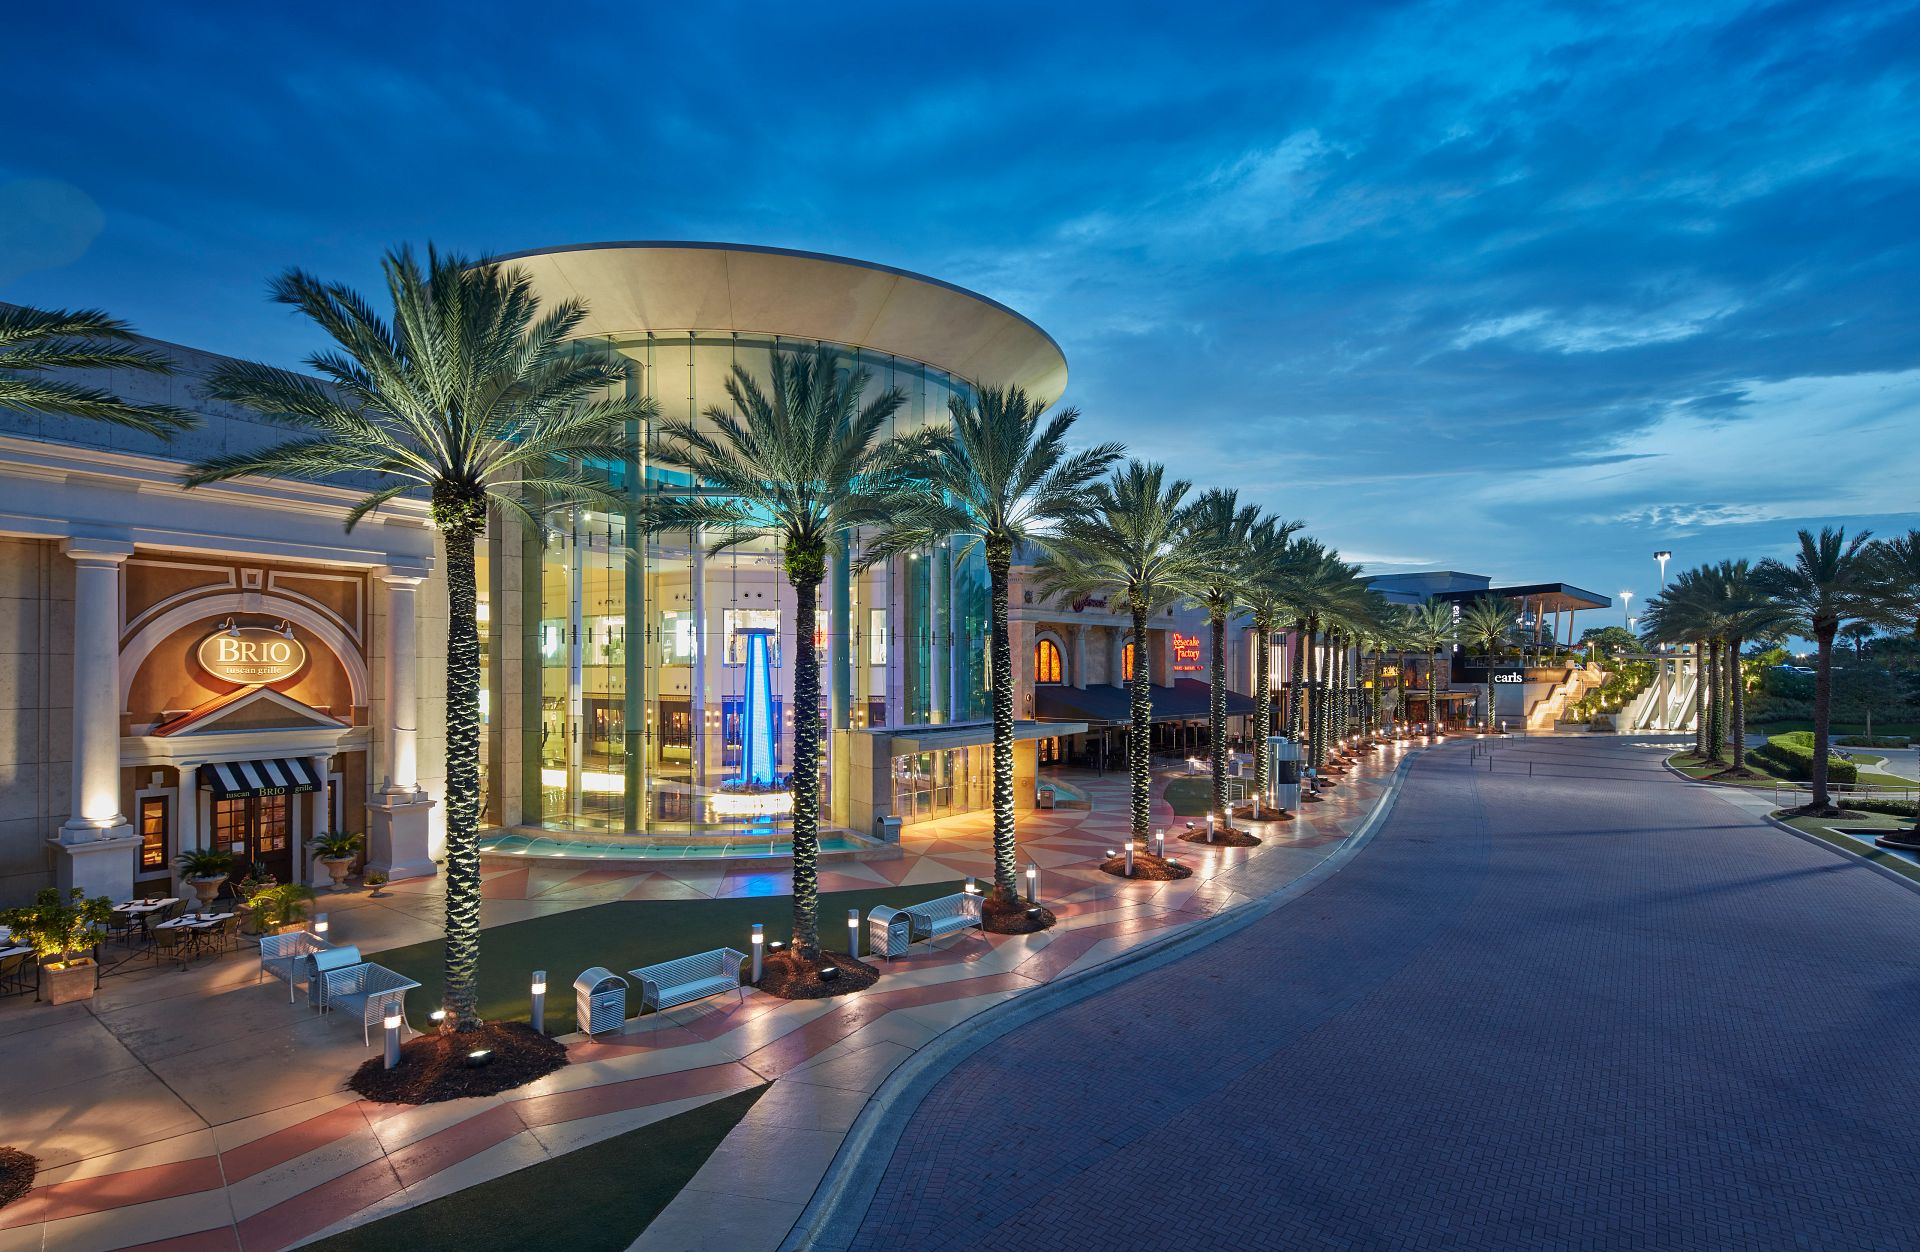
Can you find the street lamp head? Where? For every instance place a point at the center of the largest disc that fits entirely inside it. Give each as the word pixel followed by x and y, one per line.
pixel 1663 556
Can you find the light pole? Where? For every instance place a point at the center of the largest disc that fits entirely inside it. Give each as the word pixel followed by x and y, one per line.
pixel 1663 557
pixel 1626 598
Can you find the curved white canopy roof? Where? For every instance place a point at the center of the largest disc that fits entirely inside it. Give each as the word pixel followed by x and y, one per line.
pixel 673 287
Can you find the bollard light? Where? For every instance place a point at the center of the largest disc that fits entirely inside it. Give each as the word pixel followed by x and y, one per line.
pixel 758 945
pixel 392 1022
pixel 1129 857
pixel 539 989
pixel 1209 828
pixel 437 1017
pixel 972 887
pixel 1033 881
pixel 320 925
pixel 853 932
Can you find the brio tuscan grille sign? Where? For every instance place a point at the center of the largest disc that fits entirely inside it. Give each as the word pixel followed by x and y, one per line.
pixel 251 655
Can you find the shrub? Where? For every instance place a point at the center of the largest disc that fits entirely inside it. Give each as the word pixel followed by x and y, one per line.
pixel 1793 754
pixel 56 925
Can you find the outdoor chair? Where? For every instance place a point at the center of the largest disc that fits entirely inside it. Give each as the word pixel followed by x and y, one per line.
pixel 17 973
pixel 285 957
pixel 369 988
pixel 169 944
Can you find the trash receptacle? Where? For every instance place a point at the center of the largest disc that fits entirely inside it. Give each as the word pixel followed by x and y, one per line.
pixel 1283 773
pixel 889 932
pixel 887 829
pixel 1043 797
pixel 600 1000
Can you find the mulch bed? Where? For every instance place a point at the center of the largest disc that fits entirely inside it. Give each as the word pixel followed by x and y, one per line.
pixel 1013 918
pixel 1223 837
pixel 1146 866
pixel 17 1169
pixel 1267 814
pixel 435 1067
pixel 791 977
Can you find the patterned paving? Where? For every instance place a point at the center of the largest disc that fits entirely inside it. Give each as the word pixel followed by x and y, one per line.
pixel 199 1111
pixel 1592 1008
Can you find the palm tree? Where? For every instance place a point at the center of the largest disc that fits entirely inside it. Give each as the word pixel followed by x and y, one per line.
pixel 999 480
pixel 1487 623
pixel 1688 612
pixel 1747 615
pixel 34 341
pixel 1431 629
pixel 1225 527
pixel 1269 557
pixel 1897 573
pixel 804 464
pixel 1831 581
pixel 1130 543
pixel 473 395
pixel 1857 634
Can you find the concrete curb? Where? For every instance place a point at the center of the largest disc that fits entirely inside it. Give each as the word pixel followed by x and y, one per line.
pixel 846 1191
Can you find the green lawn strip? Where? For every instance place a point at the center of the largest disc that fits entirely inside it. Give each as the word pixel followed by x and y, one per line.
pixel 1771 773
pixel 597 1197
pixel 623 935
pixel 1190 797
pixel 1909 729
pixel 1819 828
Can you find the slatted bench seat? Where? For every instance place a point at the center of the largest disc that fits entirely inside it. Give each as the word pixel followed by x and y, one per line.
pixel 368 988
pixel 944 916
pixel 673 983
pixel 285 957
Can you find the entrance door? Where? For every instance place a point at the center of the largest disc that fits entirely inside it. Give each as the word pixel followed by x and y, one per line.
pixel 262 827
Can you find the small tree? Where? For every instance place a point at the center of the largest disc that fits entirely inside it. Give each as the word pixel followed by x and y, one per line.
pixel 1430 628
pixel 60 927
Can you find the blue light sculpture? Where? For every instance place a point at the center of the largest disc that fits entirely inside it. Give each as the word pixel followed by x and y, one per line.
pixel 756 760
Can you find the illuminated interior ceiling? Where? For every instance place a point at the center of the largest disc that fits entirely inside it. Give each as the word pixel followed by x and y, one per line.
pixel 675 287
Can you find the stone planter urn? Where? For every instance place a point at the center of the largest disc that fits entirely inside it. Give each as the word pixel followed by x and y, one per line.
pixel 337 867
pixel 206 888
pixel 67 981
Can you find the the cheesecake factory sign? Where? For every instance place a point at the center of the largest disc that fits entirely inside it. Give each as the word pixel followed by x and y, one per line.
pixel 252 655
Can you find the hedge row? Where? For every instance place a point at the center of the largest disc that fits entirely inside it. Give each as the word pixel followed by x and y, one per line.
pixel 1793 753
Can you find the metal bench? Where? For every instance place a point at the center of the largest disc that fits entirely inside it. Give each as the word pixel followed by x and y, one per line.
pixel 323 962
pixel 944 916
pixel 673 983
pixel 285 956
pixel 371 989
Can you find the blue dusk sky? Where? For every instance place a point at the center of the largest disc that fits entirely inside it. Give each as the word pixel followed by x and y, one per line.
pixel 1527 290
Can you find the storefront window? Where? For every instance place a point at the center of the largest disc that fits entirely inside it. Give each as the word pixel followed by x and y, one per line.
pixel 1046 662
pixel 153 832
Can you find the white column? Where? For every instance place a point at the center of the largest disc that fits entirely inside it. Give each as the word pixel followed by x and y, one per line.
pixel 322 799
pixel 99 843
pixel 398 834
pixel 187 808
pixel 400 769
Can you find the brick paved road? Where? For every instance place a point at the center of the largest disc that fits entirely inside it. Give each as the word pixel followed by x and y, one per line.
pixel 1595 1008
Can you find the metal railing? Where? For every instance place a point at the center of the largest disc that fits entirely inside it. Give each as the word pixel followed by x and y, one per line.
pixel 1799 793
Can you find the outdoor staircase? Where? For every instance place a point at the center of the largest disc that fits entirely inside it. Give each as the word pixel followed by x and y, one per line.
pixel 1549 708
pixel 1644 711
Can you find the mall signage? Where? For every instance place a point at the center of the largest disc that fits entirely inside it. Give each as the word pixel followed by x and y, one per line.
pixel 252 655
pixel 1186 653
pixel 1509 676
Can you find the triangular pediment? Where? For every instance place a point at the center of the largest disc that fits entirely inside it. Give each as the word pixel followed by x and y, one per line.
pixel 249 708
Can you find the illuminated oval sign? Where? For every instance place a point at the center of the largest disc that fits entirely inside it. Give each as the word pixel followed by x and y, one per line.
pixel 251 655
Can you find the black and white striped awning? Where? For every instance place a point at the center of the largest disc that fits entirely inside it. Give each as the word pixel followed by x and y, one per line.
pixel 278 777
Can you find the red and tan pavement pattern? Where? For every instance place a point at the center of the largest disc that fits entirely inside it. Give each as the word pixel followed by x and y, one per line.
pixel 1594 1007
pixel 202 1111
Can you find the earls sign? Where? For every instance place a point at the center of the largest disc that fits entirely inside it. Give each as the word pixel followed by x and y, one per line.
pixel 1509 676
pixel 252 655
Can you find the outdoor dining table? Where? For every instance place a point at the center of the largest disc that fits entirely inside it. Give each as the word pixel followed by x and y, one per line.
pixel 197 928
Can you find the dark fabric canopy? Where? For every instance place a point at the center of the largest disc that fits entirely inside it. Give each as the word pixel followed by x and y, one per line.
pixel 228 779
pixel 1185 701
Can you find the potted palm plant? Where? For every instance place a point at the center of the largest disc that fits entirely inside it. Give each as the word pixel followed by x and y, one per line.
pixel 373 880
pixel 204 869
pixel 58 928
pixel 280 907
pixel 336 852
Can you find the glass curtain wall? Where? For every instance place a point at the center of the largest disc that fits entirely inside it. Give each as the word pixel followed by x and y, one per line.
pixel 637 714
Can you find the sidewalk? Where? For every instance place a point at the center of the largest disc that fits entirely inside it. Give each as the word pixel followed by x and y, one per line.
pixel 200 1111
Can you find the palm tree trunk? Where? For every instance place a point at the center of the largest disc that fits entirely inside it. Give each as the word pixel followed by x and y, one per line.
pixel 805 576
pixel 1699 704
pixel 1316 711
pixel 1822 716
pixel 462 972
pixel 1297 683
pixel 1433 694
pixel 1262 702
pixel 1217 710
pixel 1005 853
pixel 1140 733
pixel 1716 703
pixel 1739 694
